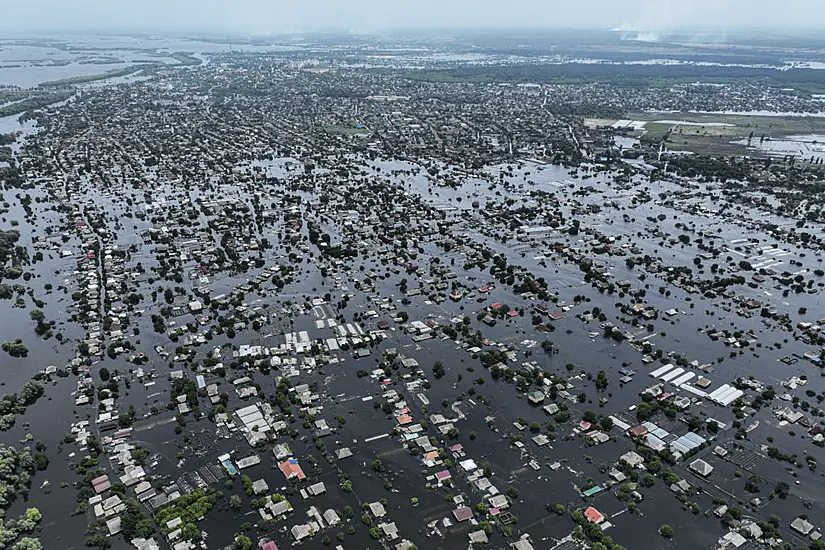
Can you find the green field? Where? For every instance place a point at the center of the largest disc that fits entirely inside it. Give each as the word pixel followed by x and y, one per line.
pixel 775 127
pixel 704 136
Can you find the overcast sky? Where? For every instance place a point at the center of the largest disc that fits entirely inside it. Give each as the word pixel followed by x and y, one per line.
pixel 273 16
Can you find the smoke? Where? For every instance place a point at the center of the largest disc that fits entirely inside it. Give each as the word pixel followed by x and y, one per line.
pixel 694 21
pixel 647 37
pixel 626 26
pixel 629 32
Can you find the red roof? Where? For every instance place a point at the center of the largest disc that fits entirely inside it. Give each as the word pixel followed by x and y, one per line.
pixel 638 431
pixel 268 546
pixel 291 468
pixel 593 515
pixel 101 486
pixel 442 475
pixel 463 514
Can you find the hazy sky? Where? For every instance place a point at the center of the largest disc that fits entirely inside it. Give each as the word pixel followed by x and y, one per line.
pixel 271 16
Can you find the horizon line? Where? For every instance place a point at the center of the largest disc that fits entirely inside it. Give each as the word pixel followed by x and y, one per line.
pixel 207 31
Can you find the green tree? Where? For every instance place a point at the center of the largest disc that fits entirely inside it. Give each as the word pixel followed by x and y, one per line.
pixel 601 381
pixel 27 543
pixel 33 515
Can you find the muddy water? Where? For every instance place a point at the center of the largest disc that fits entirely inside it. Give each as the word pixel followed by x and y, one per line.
pixel 50 417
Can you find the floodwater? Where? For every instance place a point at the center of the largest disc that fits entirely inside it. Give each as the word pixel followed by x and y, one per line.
pixel 625 142
pixel 343 392
pixel 12 123
pixel 31 77
pixel 28 66
pixel 806 147
pixel 687 123
pixel 819 114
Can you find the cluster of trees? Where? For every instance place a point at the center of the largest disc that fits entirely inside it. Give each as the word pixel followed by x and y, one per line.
pixel 345 482
pixel 7 292
pixel 33 102
pixel 283 396
pixel 586 530
pixel 13 404
pixel 158 323
pixel 187 387
pixel 16 469
pixel 11 252
pixel 43 327
pixel 135 522
pixel 601 381
pixel 27 543
pixel 15 348
pixel 189 508
pixel 9 532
